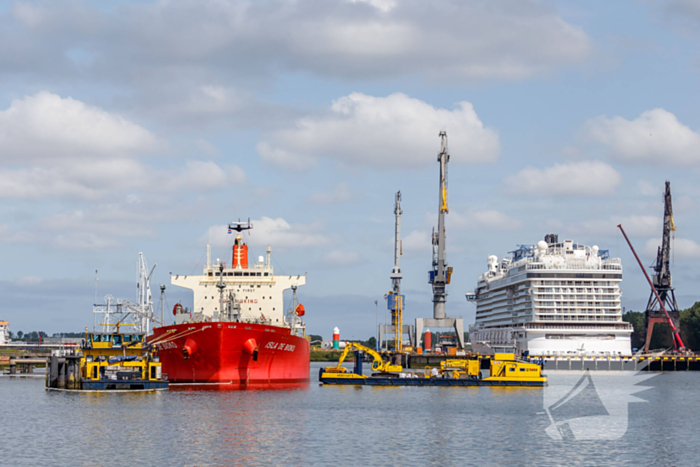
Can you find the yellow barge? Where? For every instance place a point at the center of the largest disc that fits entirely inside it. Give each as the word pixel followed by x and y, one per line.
pixel 505 370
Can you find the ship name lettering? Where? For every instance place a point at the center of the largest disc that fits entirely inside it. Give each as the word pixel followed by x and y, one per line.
pixel 166 345
pixel 280 346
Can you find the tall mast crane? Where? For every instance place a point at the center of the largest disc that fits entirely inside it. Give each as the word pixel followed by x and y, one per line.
pixel 662 282
pixel 441 274
pixel 395 300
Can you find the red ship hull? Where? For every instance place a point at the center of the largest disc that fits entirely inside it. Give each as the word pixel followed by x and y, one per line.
pixel 238 354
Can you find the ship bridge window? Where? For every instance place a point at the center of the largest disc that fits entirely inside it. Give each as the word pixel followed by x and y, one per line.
pixel 210 274
pixel 217 274
pixel 238 274
pixel 229 274
pixel 116 339
pixel 246 274
pixel 266 274
pixel 127 338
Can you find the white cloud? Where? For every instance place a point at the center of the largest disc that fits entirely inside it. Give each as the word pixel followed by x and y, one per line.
pixel 366 38
pixel 587 178
pixel 384 5
pixel 28 281
pixel 275 232
pixel 682 248
pixel 418 240
pixel 94 180
pixel 634 225
pixel 339 194
pixel 285 159
pixel 102 225
pixel 385 132
pixel 486 219
pixel 655 137
pixel 202 175
pixel 47 127
pixel 207 148
pixel 8 235
pixel 63 148
pixel 647 189
pixel 341 258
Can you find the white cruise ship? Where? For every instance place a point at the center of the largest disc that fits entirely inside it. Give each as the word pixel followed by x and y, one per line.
pixel 551 299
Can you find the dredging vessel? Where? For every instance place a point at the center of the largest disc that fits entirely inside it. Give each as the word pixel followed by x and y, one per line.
pixel 106 361
pixel 504 370
pixel 238 332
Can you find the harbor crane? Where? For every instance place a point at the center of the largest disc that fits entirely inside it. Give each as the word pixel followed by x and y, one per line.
pixel 662 306
pixel 441 274
pixel 395 300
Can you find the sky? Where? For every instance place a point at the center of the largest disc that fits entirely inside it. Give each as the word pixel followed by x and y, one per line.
pixel 137 126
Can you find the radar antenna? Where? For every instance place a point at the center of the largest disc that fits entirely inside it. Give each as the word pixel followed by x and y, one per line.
pixel 240 226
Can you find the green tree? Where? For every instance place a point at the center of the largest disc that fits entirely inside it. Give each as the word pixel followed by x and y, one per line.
pixel 371 342
pixel 636 319
pixel 20 334
pixel 662 338
pixel 315 337
pixel 690 326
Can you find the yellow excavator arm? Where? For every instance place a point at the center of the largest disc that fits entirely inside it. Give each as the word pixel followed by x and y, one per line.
pixel 378 364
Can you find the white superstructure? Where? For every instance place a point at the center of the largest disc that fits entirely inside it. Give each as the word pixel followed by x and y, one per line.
pixel 4 332
pixel 246 294
pixel 551 299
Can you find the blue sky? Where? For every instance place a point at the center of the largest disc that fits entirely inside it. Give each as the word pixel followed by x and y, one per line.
pixel 130 127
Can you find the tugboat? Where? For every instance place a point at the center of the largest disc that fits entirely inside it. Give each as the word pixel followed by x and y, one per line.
pixel 107 361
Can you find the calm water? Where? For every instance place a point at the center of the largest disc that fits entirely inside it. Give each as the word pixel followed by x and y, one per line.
pixel 343 426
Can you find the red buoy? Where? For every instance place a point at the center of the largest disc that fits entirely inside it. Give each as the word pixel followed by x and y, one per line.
pixel 177 309
pixel 300 310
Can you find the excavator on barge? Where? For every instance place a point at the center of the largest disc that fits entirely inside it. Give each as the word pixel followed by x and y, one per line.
pixel 504 370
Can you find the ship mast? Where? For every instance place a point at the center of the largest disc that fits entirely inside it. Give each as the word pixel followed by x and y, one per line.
pixel 221 286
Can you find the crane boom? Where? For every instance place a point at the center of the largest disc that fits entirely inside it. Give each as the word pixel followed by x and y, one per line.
pixel 378 364
pixel 677 341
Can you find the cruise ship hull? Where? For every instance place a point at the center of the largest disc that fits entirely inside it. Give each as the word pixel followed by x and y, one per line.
pixel 239 354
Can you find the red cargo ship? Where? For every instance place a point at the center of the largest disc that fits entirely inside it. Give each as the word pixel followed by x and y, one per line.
pixel 237 332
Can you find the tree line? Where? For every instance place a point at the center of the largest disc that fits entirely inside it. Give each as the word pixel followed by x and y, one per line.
pixel 36 335
pixel 661 337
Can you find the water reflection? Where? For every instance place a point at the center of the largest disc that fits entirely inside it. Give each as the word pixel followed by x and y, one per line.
pixel 312 425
